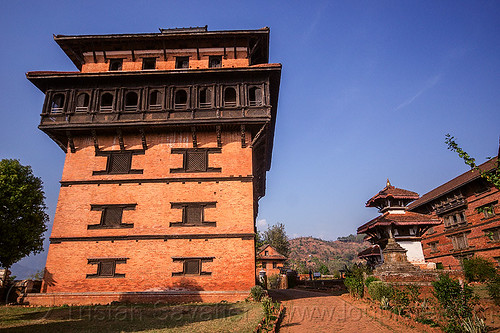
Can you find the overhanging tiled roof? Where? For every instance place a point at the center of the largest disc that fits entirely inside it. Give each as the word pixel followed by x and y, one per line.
pixel 408 218
pixel 392 192
pixel 453 184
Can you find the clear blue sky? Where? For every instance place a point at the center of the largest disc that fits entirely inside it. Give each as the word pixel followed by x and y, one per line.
pixel 368 91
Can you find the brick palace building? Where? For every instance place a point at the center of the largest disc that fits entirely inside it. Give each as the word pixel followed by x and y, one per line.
pixel 168 137
pixel 470 219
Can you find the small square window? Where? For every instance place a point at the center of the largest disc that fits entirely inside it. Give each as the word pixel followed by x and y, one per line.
pixel 433 246
pixel 115 64
pixel 275 264
pixel 266 253
pixel 120 163
pixel 149 63
pixel 193 214
pixel 214 61
pixel 264 265
pixel 106 268
pixel 196 161
pixel 182 62
pixel 192 267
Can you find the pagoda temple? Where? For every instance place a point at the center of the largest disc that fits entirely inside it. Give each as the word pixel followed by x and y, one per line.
pixel 397 232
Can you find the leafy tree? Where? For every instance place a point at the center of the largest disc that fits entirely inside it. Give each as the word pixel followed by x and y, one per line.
pixel 22 213
pixel 493 176
pixel 275 236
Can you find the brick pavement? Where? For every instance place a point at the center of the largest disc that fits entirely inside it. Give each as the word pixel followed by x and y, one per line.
pixel 309 311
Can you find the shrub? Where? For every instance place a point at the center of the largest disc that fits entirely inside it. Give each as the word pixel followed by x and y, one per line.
pixel 271 310
pixel 478 269
pixel 354 281
pixel 370 279
pixel 273 282
pixel 401 300
pixel 379 289
pixel 456 301
pixel 494 289
pixel 257 292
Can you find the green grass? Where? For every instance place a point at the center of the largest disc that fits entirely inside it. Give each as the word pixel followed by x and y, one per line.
pixel 228 317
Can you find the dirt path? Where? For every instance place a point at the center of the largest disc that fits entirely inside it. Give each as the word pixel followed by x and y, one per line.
pixel 309 311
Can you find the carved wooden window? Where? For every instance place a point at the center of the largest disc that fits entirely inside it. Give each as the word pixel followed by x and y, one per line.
pixel 106 267
pixel 488 210
pixel 192 265
pixel 57 105
pixel 155 99
pixel 193 214
pixel 195 159
pixel 459 241
pixel 119 162
pixel 115 64
pixel 149 63
pixel 111 216
pixel 455 219
pixel 107 102
pixel 493 234
pixel 433 247
pixel 180 99
pixel 215 61
pixel 229 97
pixel 255 96
pixel 205 98
pixel 82 102
pixel 131 101
pixel 181 62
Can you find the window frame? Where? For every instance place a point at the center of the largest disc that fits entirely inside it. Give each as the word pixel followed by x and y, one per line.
pixel 152 60
pixel 200 260
pixel 100 261
pixel 186 206
pixel 114 61
pixel 111 155
pixel 185 159
pixel 212 58
pixel 180 62
pixel 104 209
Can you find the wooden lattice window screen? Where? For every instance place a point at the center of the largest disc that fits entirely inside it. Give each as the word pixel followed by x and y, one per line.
pixel 192 267
pixel 120 163
pixel 196 161
pixel 193 214
pixel 106 268
pixel 112 216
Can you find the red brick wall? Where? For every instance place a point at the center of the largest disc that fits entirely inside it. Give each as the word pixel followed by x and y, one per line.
pixel 478 241
pixel 150 265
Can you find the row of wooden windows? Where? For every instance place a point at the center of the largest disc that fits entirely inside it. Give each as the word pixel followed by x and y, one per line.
pixel 455 219
pixel 131 100
pixel 193 215
pixel 194 160
pixel 106 267
pixel 264 264
pixel 116 64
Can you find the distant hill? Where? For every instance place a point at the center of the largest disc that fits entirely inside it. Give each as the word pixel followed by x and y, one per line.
pixel 310 252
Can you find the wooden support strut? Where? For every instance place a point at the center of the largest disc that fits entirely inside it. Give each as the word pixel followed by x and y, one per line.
pixel 193 132
pixel 95 56
pixel 120 139
pixel 164 52
pixel 104 54
pixel 94 137
pixel 243 139
pixel 133 56
pixel 70 142
pixel 143 139
pixel 219 135
pixel 257 136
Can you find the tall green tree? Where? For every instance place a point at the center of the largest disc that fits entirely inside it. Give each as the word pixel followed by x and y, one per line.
pixel 275 236
pixel 493 176
pixel 22 213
